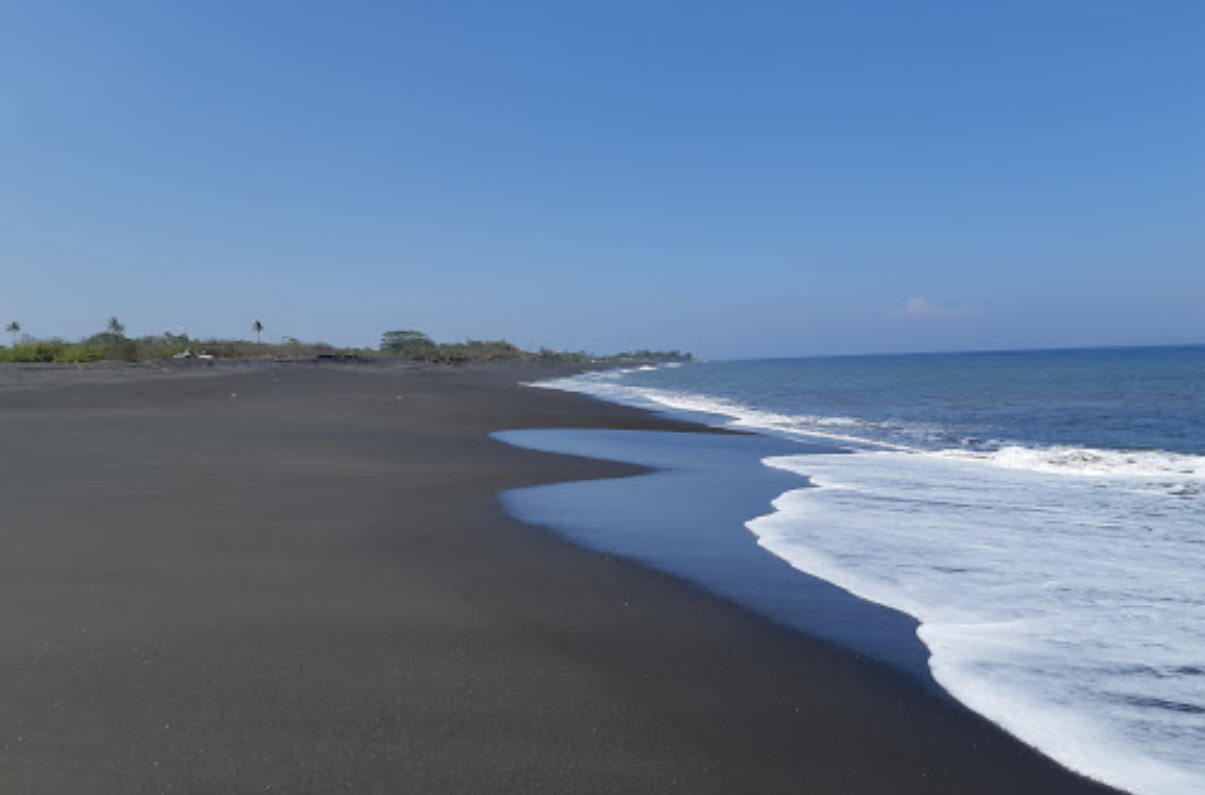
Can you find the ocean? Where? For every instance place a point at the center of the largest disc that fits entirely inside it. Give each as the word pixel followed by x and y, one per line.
pixel 1038 517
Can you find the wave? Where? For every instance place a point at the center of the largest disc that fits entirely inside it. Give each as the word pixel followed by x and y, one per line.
pixel 1045 602
pixel 1180 474
pixel 1091 462
pixel 1056 585
pixel 607 386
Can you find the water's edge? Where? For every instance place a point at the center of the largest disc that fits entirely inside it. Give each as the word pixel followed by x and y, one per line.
pixel 988 655
pixel 687 517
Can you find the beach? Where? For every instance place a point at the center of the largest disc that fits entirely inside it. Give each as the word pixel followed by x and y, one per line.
pixel 298 577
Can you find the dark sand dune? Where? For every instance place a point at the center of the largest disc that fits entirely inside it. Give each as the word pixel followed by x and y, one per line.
pixel 298 579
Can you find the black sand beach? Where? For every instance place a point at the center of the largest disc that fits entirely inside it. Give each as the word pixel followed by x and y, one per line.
pixel 298 578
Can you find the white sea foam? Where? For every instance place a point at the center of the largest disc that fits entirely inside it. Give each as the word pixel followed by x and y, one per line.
pixel 608 386
pixel 1158 469
pixel 1158 466
pixel 1057 586
pixel 1066 609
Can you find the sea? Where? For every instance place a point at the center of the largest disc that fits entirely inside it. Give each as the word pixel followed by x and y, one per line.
pixel 1032 521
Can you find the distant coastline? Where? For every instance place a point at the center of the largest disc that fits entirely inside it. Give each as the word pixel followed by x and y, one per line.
pixel 112 345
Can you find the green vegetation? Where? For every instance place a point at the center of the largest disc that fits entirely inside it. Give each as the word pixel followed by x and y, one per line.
pixel 476 351
pixel 574 357
pixel 110 348
pixel 406 343
pixel 416 345
pixel 52 351
pixel 112 344
pixel 643 355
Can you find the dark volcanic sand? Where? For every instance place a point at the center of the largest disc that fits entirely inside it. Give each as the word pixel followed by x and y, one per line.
pixel 298 579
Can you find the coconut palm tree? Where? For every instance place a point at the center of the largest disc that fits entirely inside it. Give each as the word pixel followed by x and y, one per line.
pixel 13 328
pixel 258 328
pixel 115 327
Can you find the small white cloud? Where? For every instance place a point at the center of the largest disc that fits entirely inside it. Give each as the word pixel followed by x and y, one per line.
pixel 923 308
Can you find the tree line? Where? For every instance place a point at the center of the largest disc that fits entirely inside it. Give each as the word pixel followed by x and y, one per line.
pixel 112 344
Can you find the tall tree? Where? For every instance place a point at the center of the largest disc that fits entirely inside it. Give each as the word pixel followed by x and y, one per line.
pixel 115 327
pixel 258 328
pixel 405 342
pixel 13 328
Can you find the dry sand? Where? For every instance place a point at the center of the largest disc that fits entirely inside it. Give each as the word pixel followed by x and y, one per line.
pixel 297 578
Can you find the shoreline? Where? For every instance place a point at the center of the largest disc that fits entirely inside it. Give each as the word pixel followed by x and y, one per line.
pixel 688 517
pixel 303 578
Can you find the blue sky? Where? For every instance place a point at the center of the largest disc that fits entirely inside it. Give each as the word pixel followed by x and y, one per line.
pixel 737 179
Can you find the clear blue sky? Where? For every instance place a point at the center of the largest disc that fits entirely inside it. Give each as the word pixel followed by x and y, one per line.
pixel 736 179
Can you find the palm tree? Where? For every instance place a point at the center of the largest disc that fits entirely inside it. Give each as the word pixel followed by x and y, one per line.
pixel 115 327
pixel 13 328
pixel 258 328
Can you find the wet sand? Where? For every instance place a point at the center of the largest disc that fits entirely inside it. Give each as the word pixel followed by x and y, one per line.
pixel 298 578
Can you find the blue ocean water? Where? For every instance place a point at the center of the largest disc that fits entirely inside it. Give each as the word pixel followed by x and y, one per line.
pixel 1040 514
